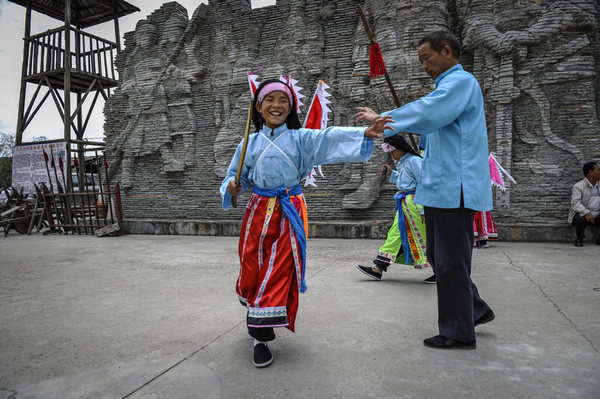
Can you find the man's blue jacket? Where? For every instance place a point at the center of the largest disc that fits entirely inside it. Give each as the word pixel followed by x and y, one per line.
pixel 456 154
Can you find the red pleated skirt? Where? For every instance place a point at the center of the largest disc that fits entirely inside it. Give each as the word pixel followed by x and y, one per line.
pixel 270 262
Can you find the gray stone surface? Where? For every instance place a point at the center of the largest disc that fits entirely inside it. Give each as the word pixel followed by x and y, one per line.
pixel 108 230
pixel 157 317
pixel 179 112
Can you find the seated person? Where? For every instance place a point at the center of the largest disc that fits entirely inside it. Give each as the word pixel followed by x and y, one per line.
pixel 585 202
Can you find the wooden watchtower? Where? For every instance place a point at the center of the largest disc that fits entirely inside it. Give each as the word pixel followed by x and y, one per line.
pixel 66 60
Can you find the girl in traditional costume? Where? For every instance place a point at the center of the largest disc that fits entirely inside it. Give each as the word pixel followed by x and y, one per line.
pixel 272 244
pixel 406 238
pixel 484 229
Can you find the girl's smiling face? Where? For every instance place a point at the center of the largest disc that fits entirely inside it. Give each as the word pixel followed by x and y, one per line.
pixel 274 109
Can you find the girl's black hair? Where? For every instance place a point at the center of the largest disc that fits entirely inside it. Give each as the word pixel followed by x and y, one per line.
pixel 292 120
pixel 400 143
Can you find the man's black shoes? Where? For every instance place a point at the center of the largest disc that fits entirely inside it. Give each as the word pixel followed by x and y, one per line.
pixel 486 318
pixel 369 272
pixel 262 356
pixel 578 243
pixel 441 342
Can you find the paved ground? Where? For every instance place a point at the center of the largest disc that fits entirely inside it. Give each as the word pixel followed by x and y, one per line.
pixel 156 317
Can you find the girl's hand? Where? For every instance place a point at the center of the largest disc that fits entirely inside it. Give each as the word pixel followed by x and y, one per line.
pixel 386 168
pixel 233 188
pixel 366 114
pixel 374 131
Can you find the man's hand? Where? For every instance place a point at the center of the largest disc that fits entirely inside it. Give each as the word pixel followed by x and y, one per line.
pixel 379 125
pixel 366 114
pixel 233 188
pixel 589 218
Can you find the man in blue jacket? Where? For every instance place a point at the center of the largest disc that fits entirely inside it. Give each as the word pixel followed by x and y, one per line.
pixel 454 183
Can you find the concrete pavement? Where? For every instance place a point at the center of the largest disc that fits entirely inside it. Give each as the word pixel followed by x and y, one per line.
pixel 156 317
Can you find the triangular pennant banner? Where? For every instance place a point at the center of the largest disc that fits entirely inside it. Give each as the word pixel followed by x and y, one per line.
pixel 318 112
pixel 253 83
pixel 496 172
pixel 316 118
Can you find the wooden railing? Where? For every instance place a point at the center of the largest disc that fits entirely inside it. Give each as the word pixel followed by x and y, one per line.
pixel 89 53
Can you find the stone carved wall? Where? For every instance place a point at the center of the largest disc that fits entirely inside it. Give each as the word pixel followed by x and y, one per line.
pixel 180 110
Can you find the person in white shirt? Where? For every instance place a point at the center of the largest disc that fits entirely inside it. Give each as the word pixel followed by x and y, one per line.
pixel 585 202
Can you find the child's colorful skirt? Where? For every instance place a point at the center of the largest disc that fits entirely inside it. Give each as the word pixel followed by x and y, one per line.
pixel 413 236
pixel 270 261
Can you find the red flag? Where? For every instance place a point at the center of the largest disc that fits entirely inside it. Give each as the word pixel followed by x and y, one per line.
pixel 105 164
pixel 253 83
pixel 45 156
pixel 75 163
pixel 316 118
pixel 60 163
pixel 376 62
pixel 318 112
pixel 313 119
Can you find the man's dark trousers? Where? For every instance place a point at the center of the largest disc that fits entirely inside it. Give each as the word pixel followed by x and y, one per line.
pixel 580 224
pixel 450 249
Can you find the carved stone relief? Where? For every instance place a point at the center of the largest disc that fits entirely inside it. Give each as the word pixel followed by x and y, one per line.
pixel 180 110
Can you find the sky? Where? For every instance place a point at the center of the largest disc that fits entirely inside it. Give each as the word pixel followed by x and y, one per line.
pixel 47 122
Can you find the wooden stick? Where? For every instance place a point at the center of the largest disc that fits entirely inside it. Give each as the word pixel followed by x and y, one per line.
pixel 387 78
pixel 243 156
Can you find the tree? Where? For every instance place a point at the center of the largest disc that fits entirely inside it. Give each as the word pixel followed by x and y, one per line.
pixel 7 142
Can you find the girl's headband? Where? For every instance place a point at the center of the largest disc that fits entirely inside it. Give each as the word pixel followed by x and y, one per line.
pixel 274 86
pixel 387 147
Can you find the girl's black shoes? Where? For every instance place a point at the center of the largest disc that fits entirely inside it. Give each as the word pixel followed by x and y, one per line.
pixel 262 356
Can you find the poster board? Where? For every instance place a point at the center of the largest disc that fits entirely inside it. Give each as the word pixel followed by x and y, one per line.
pixel 29 165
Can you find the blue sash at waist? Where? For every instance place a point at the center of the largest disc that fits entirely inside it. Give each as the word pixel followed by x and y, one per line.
pixel 293 216
pixel 408 258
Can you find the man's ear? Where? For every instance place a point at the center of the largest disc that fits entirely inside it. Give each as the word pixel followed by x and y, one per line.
pixel 448 51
